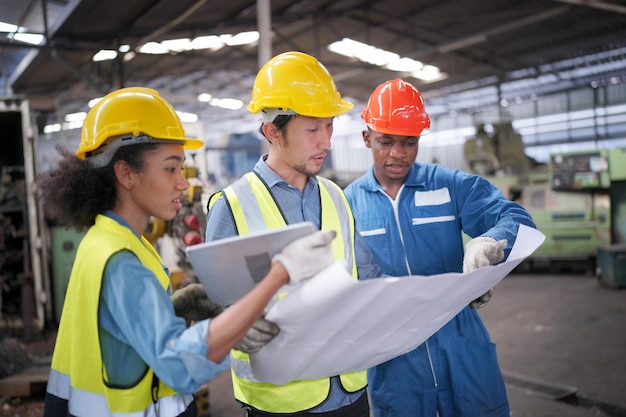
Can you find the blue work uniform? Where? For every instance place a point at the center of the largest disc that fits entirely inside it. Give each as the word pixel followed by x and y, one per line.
pixel 455 373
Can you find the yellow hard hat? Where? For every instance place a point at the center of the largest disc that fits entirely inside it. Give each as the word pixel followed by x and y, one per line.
pixel 300 83
pixel 132 111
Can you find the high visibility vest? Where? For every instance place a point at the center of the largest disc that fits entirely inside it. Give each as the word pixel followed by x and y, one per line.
pixel 77 370
pixel 254 209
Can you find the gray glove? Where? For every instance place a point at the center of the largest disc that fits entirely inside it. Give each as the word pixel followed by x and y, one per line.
pixel 307 256
pixel 480 252
pixel 192 303
pixel 260 334
pixel 481 301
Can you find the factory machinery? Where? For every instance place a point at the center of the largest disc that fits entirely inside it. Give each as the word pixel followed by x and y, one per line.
pixel 577 200
pixel 36 256
pixel 24 283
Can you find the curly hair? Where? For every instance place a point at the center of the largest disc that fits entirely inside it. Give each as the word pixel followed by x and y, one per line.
pixel 73 194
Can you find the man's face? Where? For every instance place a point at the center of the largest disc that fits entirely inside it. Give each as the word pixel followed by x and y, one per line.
pixel 305 144
pixel 393 155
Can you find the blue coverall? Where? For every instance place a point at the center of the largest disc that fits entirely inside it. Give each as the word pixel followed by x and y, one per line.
pixel 455 372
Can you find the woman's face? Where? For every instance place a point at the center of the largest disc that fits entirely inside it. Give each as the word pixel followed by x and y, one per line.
pixel 158 190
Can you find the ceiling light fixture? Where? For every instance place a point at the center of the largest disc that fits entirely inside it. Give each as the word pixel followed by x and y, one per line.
pixel 386 59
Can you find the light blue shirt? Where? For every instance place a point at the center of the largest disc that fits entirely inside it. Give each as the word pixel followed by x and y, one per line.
pixel 138 328
pixel 297 207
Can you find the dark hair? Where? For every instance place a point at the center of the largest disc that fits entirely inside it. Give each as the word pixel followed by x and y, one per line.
pixel 74 194
pixel 281 123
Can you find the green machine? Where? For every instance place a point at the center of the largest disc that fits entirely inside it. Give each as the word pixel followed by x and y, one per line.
pixel 582 211
pixel 577 200
pixel 611 259
pixel 64 245
pixel 572 205
pixel 617 171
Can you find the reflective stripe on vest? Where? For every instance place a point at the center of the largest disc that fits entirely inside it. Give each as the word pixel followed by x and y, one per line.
pixel 78 373
pixel 85 403
pixel 254 209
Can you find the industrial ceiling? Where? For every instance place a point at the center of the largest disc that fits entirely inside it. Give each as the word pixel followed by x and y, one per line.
pixel 474 43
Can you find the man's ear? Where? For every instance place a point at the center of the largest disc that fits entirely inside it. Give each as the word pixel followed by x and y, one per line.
pixel 366 138
pixel 271 132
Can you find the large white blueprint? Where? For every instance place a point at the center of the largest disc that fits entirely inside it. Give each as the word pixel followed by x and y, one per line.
pixel 332 324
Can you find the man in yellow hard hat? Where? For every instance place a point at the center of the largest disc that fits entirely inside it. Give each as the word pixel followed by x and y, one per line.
pixel 298 101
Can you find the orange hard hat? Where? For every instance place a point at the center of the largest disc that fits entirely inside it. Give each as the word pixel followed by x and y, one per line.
pixel 396 108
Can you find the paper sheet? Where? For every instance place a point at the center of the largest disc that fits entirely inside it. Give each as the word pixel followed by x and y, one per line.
pixel 332 324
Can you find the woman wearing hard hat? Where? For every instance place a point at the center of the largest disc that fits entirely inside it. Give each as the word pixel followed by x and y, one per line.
pixel 120 349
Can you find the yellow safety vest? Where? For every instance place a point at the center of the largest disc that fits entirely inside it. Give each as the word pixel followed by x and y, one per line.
pixel 254 209
pixel 77 372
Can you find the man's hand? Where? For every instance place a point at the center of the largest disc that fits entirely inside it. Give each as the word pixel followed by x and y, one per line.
pixel 307 256
pixel 192 303
pixel 482 251
pixel 260 334
pixel 481 301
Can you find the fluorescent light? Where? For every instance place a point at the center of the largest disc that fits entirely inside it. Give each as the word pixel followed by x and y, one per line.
pixel 230 103
pixel 75 117
pixel 207 42
pixel 429 73
pixel 405 65
pixel 153 48
pixel 56 127
pixel 227 103
pixel 386 59
pixel 204 97
pixel 243 38
pixel 363 52
pixel 177 45
pixel 7 27
pixel 73 125
pixel 20 34
pixel 104 55
pixel 31 38
pixel 213 42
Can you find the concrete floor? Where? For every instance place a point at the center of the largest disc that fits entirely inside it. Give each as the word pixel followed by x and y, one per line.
pixel 565 331
pixel 558 336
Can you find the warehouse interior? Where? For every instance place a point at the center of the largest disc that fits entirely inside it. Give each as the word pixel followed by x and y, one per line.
pixel 531 95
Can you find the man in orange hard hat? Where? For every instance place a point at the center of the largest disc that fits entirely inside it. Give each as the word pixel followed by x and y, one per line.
pixel 413 216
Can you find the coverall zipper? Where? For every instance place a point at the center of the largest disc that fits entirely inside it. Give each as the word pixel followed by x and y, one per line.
pixel 394 205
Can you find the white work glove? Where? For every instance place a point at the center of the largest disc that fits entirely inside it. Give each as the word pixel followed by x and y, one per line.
pixel 480 252
pixel 260 334
pixel 307 256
